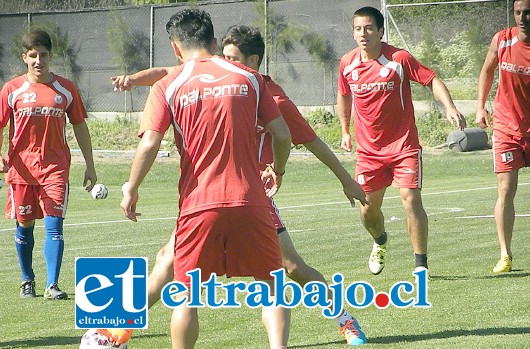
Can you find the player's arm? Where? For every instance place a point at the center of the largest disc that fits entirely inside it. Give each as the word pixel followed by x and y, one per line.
pixel 82 135
pixel 143 160
pixel 344 110
pixel 281 148
pixel 351 188
pixel 3 163
pixel 485 81
pixel 146 77
pixel 452 114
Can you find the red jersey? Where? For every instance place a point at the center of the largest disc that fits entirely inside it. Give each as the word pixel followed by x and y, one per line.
pixel 512 101
pixel 38 152
pixel 214 106
pixel 301 131
pixel 382 108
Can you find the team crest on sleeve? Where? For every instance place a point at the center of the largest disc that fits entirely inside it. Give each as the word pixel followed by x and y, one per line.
pixel 355 75
pixel 58 99
pixel 384 72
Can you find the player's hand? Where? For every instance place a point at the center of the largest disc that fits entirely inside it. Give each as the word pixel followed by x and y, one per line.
pixel 482 118
pixel 90 176
pixel 456 117
pixel 271 181
pixel 353 191
pixel 346 142
pixel 128 204
pixel 121 83
pixel 4 166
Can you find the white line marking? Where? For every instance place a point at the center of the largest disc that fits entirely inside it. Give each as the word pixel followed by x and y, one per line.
pixel 297 206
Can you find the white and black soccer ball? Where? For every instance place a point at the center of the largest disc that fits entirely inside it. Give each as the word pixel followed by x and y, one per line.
pixel 95 340
pixel 99 191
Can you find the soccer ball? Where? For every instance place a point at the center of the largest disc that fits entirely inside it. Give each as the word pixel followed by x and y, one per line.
pixel 95 340
pixel 99 191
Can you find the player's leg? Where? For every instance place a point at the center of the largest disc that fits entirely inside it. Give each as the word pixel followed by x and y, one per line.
pixel 505 217
pixel 53 198
pixel 417 224
pixel 374 176
pixel 374 222
pixel 184 326
pixel 277 321
pixel 162 272
pixel 298 270
pixel 407 176
pixel 20 206
pixel 53 255
pixel 508 158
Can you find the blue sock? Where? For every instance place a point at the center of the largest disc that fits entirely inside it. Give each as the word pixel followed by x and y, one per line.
pixel 53 248
pixel 24 243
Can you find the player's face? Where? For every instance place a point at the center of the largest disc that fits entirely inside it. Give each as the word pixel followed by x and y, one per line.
pixel 365 32
pixel 233 53
pixel 38 61
pixel 521 13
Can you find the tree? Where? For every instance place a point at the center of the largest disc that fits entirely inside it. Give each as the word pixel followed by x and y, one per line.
pixel 129 49
pixel 283 36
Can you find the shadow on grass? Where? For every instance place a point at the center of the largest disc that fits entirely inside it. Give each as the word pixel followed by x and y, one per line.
pixel 52 342
pixel 513 274
pixel 428 336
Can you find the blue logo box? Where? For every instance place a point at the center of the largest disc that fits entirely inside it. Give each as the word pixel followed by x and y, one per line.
pixel 110 292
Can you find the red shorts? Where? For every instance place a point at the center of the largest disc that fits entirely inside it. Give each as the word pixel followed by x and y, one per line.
pixel 276 219
pixel 28 202
pixel 510 152
pixel 403 170
pixel 236 241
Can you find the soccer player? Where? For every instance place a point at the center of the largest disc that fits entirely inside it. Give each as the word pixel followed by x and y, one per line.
pixel 224 225
pixel 37 105
pixel 376 77
pixel 510 51
pixel 246 45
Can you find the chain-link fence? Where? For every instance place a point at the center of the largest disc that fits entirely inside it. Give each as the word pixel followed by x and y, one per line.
pixel 305 41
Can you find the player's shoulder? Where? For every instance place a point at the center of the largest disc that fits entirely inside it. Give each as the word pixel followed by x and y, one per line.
pixel 350 55
pixel 506 34
pixel 64 82
pixel 16 82
pixel 395 53
pixel 275 89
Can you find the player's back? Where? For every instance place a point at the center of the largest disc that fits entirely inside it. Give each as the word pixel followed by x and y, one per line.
pixel 214 105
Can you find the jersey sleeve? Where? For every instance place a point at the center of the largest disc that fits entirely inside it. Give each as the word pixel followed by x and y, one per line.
pixel 76 110
pixel 267 108
pixel 157 115
pixel 301 131
pixel 414 69
pixel 5 109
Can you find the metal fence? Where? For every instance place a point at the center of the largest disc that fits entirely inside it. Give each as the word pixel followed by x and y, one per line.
pixel 102 43
pixel 449 36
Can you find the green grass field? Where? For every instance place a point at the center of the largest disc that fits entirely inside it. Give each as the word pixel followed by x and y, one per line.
pixel 472 308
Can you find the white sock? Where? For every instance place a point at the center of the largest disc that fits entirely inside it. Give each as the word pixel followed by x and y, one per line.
pixel 343 318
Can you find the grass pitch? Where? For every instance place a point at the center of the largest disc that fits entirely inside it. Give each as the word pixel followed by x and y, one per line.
pixel 472 308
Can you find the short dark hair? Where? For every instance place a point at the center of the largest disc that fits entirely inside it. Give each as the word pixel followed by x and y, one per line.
pixel 369 11
pixel 247 39
pixel 191 28
pixel 37 37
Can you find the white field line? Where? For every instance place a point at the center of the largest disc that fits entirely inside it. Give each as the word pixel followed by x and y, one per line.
pixel 300 206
